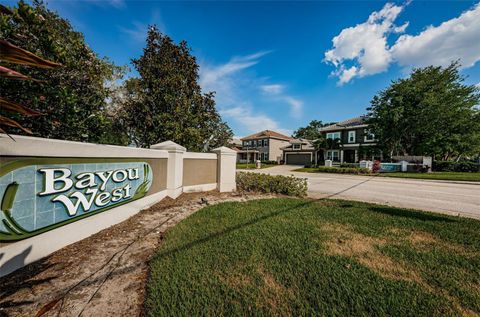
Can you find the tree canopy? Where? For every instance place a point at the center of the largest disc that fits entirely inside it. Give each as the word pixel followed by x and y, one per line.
pixel 432 112
pixel 166 101
pixel 311 131
pixel 72 98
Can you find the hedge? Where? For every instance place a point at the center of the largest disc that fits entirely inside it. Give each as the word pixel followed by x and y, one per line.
pixel 461 166
pixel 278 184
pixel 343 170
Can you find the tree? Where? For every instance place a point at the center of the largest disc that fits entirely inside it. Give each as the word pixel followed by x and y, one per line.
pixel 72 98
pixel 432 112
pixel 311 131
pixel 166 102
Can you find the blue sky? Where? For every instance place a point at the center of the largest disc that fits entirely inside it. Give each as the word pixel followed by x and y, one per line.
pixel 278 65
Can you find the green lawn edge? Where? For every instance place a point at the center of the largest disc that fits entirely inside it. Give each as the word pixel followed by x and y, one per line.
pixel 449 176
pixel 243 166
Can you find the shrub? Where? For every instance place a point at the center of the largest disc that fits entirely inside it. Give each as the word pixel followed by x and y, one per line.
pixel 377 165
pixel 461 166
pixel 278 184
pixel 350 165
pixel 270 162
pixel 343 170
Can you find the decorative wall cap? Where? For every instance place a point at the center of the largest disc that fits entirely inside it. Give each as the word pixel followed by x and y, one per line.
pixel 224 150
pixel 168 146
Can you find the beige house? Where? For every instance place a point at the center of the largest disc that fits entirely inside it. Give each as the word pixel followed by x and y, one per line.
pixel 264 146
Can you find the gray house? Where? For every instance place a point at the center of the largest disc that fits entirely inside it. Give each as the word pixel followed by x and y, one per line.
pixel 349 141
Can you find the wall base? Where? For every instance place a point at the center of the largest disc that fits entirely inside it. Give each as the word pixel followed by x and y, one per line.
pixel 15 255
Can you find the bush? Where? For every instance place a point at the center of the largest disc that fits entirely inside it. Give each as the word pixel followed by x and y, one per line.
pixel 349 165
pixel 270 162
pixel 264 183
pixel 343 170
pixel 461 166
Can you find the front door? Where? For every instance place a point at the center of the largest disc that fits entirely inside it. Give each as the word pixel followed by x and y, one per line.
pixel 349 156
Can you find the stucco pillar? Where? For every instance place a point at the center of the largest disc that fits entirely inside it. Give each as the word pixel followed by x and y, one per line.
pixel 226 169
pixel 341 156
pixel 174 166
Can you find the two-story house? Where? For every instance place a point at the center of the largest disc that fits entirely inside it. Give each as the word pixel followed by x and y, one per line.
pixel 349 141
pixel 264 146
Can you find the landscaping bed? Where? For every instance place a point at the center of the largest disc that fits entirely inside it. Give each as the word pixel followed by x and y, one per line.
pixel 452 176
pixel 105 274
pixel 252 166
pixel 295 257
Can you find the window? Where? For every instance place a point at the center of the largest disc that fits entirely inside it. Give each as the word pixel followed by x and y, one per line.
pixel 296 146
pixel 369 136
pixel 351 136
pixel 333 155
pixel 265 142
pixel 334 135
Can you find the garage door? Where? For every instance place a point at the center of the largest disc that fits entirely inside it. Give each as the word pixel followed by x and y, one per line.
pixel 298 159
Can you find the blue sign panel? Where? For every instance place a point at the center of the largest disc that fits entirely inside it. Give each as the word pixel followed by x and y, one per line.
pixel 38 195
pixel 390 167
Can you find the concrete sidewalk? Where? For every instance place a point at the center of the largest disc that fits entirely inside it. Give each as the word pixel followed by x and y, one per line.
pixel 453 198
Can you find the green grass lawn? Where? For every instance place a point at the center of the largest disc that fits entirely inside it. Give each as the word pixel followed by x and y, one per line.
pixel 303 257
pixel 452 176
pixel 252 165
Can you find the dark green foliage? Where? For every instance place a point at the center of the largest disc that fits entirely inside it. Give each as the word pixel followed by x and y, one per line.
pixel 265 183
pixel 311 131
pixel 272 258
pixel 72 98
pixel 350 165
pixel 166 102
pixel 339 170
pixel 431 113
pixel 452 166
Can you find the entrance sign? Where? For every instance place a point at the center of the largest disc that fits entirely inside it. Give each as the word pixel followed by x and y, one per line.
pixel 41 194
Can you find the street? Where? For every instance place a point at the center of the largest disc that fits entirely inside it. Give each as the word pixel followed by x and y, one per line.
pixel 454 198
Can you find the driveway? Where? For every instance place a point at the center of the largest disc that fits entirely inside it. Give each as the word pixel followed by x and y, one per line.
pixel 454 198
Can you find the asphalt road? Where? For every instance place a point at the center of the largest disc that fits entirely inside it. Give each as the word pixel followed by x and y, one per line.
pixel 454 198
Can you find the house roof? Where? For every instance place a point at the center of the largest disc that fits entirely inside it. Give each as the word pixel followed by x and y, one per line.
pixel 300 141
pixel 235 142
pixel 307 144
pixel 267 134
pixel 350 123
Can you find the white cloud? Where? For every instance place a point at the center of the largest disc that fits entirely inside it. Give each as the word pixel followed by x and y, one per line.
pixel 455 39
pixel 233 88
pixel 276 91
pixel 118 4
pixel 254 122
pixel 236 84
pixel 137 31
pixel 365 43
pixel 295 106
pixel 272 89
pixel 210 76
pixel 363 49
